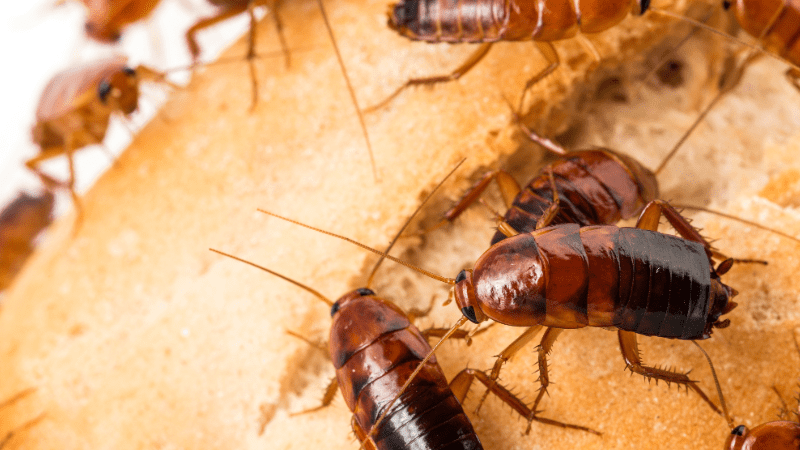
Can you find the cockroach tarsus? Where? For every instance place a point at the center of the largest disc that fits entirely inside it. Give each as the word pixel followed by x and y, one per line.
pixel 20 223
pixel 75 108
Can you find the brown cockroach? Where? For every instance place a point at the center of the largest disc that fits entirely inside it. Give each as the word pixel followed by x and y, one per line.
pixel 75 108
pixel 10 402
pixel 389 376
pixel 488 21
pixel 776 435
pixel 596 186
pixel 20 222
pixel 634 280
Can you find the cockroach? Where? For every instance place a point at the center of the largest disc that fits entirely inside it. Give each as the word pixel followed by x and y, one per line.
pixel 776 435
pixel 380 357
pixel 596 186
pixel 75 108
pixel 20 222
pixel 634 280
pixel 10 402
pixel 545 21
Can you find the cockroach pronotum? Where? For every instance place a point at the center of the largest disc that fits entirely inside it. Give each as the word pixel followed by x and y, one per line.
pixel 380 357
pixel 75 108
pixel 14 432
pixel 20 222
pixel 776 435
pixel 635 280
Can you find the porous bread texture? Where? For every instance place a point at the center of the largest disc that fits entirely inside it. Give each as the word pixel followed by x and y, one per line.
pixel 136 336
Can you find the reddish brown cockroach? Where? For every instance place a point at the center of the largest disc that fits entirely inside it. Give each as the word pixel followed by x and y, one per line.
pixel 20 222
pixel 390 379
pixel 636 280
pixel 489 21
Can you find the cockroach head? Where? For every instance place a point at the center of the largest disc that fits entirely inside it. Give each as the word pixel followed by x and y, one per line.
pixel 342 301
pixel 465 297
pixel 120 91
pixel 403 14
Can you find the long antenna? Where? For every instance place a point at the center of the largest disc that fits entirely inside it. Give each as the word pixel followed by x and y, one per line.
pixel 716 382
pixel 296 283
pixel 727 83
pixel 367 248
pixel 738 219
pixel 408 221
pixel 350 90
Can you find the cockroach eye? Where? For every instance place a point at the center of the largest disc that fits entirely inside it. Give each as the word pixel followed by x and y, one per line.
pixel 469 313
pixel 335 308
pixel 364 291
pixel 103 90
pixel 739 431
pixel 128 71
pixel 461 276
pixel 644 5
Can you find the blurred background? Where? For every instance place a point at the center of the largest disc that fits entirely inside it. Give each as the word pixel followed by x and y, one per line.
pixel 42 37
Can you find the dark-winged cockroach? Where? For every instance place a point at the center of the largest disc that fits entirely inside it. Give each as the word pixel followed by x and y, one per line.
pixel 16 430
pixel 596 186
pixel 20 222
pixel 75 108
pixel 635 280
pixel 390 379
pixel 776 435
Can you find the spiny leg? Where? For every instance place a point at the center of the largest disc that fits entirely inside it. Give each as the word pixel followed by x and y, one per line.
pixel 546 345
pixel 453 76
pixel 523 340
pixel 333 386
pixel 633 361
pixel 327 398
pixel 552 211
pixel 222 15
pixel 461 383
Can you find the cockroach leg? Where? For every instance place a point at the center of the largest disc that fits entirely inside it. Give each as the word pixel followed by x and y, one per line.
pixel 452 76
pixel 507 353
pixel 633 361
pixel 463 380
